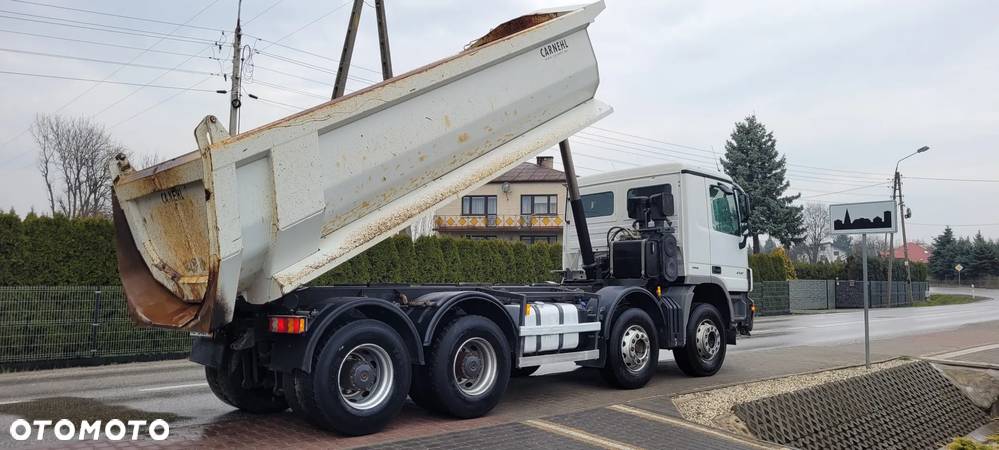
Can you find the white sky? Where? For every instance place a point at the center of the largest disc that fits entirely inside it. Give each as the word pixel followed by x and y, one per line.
pixel 845 85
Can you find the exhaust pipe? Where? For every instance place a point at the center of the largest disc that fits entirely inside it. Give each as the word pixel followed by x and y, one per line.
pixel 576 203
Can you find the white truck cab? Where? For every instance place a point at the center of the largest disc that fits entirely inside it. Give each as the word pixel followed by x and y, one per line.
pixel 710 211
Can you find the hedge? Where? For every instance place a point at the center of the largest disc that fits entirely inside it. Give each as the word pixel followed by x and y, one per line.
pixel 57 251
pixel 852 269
pixel 773 266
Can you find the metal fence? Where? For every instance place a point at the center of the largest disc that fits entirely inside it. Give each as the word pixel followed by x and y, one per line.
pixel 771 297
pixel 50 323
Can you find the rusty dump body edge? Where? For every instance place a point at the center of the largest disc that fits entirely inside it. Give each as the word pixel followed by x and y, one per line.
pixel 184 234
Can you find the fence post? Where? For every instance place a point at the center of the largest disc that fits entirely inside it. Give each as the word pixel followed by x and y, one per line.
pixel 95 323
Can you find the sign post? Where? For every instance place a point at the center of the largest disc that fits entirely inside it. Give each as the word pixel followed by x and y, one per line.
pixel 958 268
pixel 863 219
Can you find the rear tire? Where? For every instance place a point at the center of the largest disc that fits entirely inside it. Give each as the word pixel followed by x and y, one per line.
pixel 704 352
pixel 632 351
pixel 359 380
pixel 467 370
pixel 226 383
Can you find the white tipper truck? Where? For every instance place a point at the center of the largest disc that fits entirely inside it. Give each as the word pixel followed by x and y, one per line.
pixel 223 241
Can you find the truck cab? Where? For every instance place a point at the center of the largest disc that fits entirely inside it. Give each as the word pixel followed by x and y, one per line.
pixel 709 218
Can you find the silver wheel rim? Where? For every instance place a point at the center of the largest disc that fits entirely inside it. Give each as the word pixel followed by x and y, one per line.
pixel 635 348
pixel 708 340
pixel 474 367
pixel 365 377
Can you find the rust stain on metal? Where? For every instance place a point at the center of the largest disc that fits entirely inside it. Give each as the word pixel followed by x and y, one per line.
pixel 463 137
pixel 511 27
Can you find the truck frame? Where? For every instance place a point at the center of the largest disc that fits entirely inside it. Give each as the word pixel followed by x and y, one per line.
pixel 197 252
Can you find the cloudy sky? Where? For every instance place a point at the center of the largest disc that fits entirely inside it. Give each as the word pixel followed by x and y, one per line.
pixel 847 87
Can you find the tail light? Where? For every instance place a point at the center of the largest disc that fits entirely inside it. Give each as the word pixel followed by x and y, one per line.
pixel 287 324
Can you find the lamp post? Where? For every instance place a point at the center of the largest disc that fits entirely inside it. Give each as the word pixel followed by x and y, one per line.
pixel 897 188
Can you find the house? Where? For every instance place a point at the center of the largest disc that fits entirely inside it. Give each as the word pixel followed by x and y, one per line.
pixel 524 204
pixel 917 253
pixel 827 253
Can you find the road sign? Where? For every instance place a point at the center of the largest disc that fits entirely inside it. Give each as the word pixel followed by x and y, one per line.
pixel 863 218
pixel 958 267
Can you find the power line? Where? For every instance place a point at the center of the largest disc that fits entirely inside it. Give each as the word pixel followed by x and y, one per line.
pixel 94 80
pixel 106 44
pixel 102 61
pixel 966 180
pixel 956 225
pixel 101 27
pixel 846 190
pixel 690 147
pixel 121 16
pixel 107 78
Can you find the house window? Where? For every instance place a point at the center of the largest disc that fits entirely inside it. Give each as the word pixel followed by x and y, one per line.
pixel 598 205
pixel 478 205
pixel 480 237
pixel 723 211
pixel 548 239
pixel 538 205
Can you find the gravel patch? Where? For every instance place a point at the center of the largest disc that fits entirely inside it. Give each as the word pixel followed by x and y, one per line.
pixel 714 408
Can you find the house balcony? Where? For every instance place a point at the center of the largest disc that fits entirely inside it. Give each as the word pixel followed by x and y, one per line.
pixel 547 223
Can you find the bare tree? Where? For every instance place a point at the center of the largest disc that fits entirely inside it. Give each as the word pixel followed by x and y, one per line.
pixel 817 227
pixel 73 160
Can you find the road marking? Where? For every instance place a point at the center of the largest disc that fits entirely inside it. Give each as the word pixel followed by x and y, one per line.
pixel 579 435
pixel 980 348
pixel 688 425
pixel 168 388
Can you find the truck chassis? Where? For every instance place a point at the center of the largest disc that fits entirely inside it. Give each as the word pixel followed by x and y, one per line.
pixel 344 358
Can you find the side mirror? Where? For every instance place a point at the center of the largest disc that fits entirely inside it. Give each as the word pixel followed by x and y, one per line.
pixel 661 206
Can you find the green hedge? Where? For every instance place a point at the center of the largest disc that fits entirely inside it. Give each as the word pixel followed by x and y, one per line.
pixel 448 260
pixel 56 251
pixel 773 266
pixel 852 269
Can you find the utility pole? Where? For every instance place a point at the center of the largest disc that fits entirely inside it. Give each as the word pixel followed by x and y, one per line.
pixel 340 85
pixel 905 242
pixel 234 101
pixel 891 238
pixel 383 40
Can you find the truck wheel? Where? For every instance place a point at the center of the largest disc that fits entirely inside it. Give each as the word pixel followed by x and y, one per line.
pixel 632 351
pixel 467 370
pixel 520 372
pixel 705 350
pixel 226 383
pixel 359 380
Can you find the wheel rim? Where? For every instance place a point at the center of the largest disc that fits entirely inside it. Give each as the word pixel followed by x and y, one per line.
pixel 365 377
pixel 474 367
pixel 708 340
pixel 635 348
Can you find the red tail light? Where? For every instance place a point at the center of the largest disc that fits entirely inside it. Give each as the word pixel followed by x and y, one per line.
pixel 287 324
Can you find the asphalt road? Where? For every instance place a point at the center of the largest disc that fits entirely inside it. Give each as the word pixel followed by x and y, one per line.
pixel 178 389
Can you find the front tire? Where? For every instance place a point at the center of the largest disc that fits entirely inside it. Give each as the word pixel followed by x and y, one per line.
pixel 226 383
pixel 704 352
pixel 632 351
pixel 359 380
pixel 467 370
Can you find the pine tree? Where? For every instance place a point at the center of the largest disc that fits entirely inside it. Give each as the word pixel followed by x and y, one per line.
pixel 942 257
pixel 984 259
pixel 770 245
pixel 452 260
pixel 752 160
pixel 403 273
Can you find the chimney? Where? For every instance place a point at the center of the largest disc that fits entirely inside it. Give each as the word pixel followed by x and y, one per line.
pixel 547 162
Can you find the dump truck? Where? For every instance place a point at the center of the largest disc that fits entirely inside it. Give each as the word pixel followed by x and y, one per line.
pixel 224 241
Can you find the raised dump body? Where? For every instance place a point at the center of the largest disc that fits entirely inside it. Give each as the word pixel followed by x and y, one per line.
pixel 261 213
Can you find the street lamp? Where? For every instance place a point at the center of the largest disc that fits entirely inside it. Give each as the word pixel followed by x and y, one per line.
pixel 897 187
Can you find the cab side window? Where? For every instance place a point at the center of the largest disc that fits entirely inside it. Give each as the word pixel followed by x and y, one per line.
pixel 724 214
